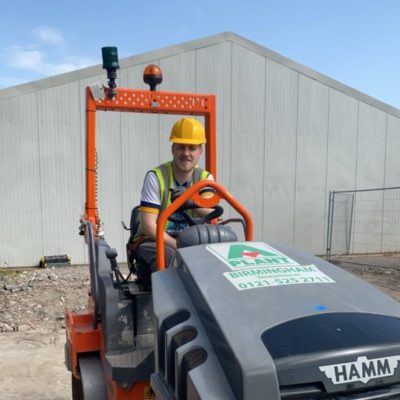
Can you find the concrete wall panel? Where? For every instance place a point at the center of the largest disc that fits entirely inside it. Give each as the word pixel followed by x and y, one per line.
pixel 342 141
pixel 21 228
pixel 60 169
pixel 214 75
pixel 247 148
pixel 312 139
pixel 281 109
pixel 371 149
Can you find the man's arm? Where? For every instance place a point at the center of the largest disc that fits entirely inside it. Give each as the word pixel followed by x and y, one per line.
pixel 148 225
pixel 150 204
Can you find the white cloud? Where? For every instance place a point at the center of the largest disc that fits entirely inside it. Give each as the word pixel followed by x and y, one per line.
pixel 47 55
pixel 49 35
pixel 34 60
pixel 25 59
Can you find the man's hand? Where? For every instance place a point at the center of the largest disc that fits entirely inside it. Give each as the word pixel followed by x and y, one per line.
pixel 176 192
pixel 199 212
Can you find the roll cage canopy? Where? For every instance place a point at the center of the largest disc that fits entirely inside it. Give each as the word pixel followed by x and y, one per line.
pixel 142 101
pixel 101 98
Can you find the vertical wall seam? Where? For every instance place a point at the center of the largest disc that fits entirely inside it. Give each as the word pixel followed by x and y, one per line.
pixel 196 78
pixel 357 136
pixel 296 160
pixel 386 145
pixel 327 164
pixel 384 179
pixel 82 135
pixel 40 173
pixel 264 147
pixel 231 120
pixel 356 171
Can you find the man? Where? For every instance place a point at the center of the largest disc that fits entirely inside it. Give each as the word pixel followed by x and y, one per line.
pixel 160 187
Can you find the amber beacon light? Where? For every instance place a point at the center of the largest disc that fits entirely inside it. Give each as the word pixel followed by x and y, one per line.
pixel 152 75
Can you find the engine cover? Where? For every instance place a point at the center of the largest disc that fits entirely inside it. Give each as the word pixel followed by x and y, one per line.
pixel 253 320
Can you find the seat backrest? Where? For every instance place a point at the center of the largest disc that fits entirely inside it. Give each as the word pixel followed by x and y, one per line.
pixel 135 219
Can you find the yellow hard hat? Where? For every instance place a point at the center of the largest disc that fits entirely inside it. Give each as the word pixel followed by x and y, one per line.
pixel 188 131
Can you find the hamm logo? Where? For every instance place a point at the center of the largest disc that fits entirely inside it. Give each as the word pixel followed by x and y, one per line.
pixel 362 370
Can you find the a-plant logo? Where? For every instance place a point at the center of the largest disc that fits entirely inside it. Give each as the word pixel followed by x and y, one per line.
pixel 362 370
pixel 244 255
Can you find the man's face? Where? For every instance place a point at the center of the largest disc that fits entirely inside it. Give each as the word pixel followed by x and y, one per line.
pixel 186 156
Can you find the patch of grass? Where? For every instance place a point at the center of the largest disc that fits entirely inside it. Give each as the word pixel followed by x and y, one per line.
pixel 8 272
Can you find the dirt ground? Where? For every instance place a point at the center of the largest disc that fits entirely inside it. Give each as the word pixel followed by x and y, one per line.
pixel 382 271
pixel 32 331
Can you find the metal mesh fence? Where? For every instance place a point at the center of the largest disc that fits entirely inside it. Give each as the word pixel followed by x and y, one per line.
pixel 363 222
pixel 341 222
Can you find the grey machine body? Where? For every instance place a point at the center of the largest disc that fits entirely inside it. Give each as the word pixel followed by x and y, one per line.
pixel 306 330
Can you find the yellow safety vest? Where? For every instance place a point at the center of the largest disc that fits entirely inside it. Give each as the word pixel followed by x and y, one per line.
pixel 165 176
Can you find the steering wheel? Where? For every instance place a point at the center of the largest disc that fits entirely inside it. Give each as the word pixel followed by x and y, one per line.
pixel 185 217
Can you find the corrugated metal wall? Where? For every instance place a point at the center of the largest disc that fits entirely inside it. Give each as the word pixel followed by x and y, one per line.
pixel 286 136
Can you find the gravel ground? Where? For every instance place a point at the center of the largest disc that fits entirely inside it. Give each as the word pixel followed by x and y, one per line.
pixel 32 333
pixel 382 271
pixel 36 299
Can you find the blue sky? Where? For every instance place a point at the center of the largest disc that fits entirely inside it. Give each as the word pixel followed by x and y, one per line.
pixel 356 42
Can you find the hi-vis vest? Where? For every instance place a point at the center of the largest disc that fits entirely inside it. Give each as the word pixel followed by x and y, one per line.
pixel 165 176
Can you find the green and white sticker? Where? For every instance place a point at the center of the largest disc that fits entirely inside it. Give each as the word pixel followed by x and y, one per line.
pixel 244 255
pixel 257 265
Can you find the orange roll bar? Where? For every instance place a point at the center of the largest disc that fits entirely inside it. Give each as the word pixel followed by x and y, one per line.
pixel 144 101
pixel 193 193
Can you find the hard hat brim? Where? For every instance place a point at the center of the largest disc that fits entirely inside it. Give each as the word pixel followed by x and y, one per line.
pixel 187 141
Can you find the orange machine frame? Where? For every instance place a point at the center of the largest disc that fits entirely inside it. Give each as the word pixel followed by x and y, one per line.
pixel 80 331
pixel 144 101
pixel 193 193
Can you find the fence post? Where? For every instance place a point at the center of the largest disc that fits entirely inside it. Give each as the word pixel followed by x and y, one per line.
pixel 348 244
pixel 329 225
